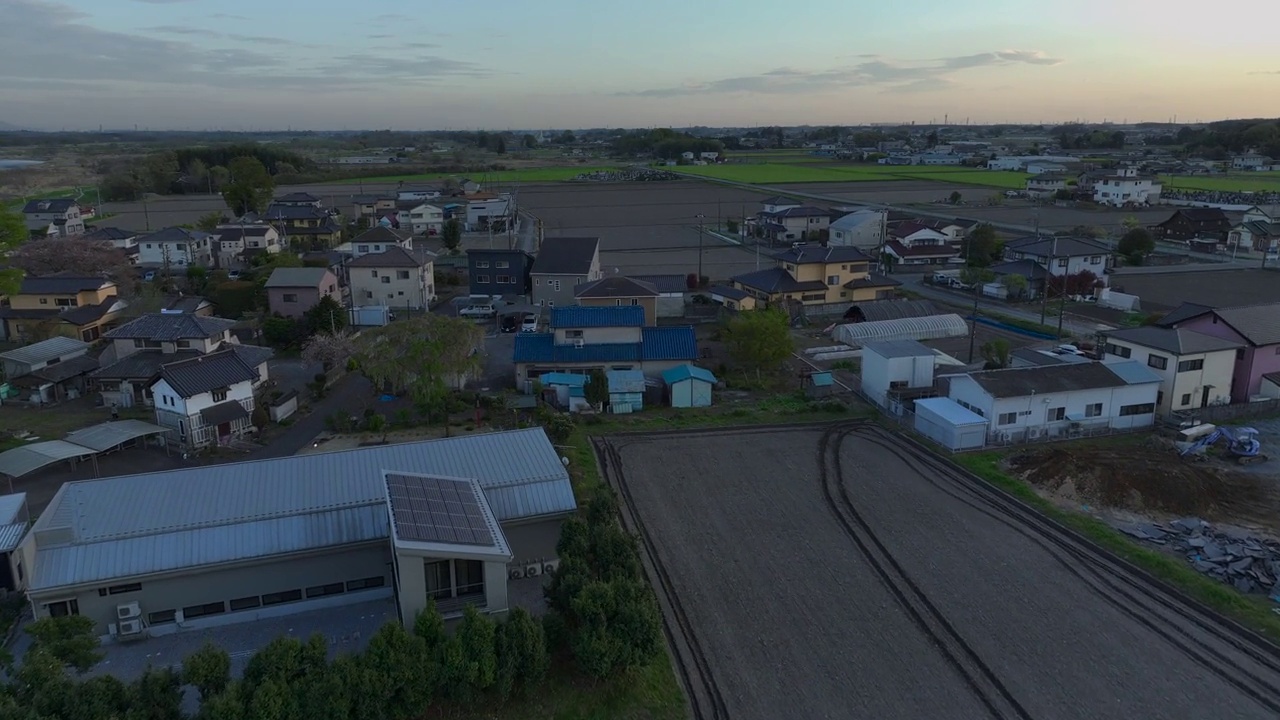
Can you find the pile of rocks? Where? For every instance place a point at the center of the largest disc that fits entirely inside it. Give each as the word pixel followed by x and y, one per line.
pixel 1247 563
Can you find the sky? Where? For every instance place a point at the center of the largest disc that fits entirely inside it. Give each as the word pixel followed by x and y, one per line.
pixel 515 64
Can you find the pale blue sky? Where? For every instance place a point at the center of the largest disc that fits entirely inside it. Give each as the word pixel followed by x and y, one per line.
pixel 241 64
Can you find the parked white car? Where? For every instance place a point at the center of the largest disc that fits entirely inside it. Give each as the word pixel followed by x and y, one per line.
pixel 480 312
pixel 529 323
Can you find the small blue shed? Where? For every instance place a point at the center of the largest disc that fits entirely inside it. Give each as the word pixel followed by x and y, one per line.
pixel 626 390
pixel 570 389
pixel 689 386
pixel 821 384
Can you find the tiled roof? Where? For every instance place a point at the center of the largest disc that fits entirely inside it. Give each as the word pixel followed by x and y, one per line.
pixel 252 355
pixel 298 197
pixel 566 256
pixel 49 205
pixel 1259 324
pixel 110 233
pixel 59 284
pixel 207 372
pixel 173 235
pixel 779 200
pixel 1183 312
pixel 393 257
pixel 1057 247
pixel 776 280
pixel 731 293
pixel 665 283
pixel 160 327
pixel 141 365
pixel 1026 268
pixel 1178 341
pixel 90 313
pixel 383 234
pixel 802 211
pixel 294 212
pixel 302 277
pixel 928 251
pixel 616 286
pixel 911 227
pixel 873 280
pixel 576 316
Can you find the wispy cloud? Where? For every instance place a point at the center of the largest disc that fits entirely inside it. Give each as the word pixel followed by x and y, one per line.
pixel 215 35
pixel 874 71
pixel 163 2
pixel 1264 72
pixel 227 16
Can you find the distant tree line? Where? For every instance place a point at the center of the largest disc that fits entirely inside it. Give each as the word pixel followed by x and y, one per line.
pixel 663 143
pixel 1079 137
pixel 1221 139
pixel 192 170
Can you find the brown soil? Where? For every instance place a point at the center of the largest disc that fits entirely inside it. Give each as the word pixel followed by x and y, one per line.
pixel 1150 478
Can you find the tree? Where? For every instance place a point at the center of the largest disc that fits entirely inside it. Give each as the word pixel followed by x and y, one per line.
pixel 1136 245
pixel 501 147
pixel 476 636
pixel 451 234
pixel 956 197
pixel 1015 284
pixel 283 332
pixel 429 625
pixel 327 316
pixel 422 357
pixel 975 276
pixel 760 339
pixel 219 176
pixel 329 350
pixel 995 353
pixel 981 246
pixel 210 221
pixel 208 669
pixel 70 639
pixel 226 706
pixel 529 141
pixel 521 653
pixel 731 226
pixel 597 388
pixel 156 695
pixel 405 669
pixel 76 256
pixel 250 187
pixel 13 232
pixel 1130 223
pixel 620 627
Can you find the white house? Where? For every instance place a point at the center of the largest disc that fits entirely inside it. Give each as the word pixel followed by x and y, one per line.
pixel 1196 370
pixel 914 243
pixel 395 277
pixel 482 212
pixel 423 219
pixel 1058 400
pixel 863 229
pixel 379 239
pixel 893 367
pixel 175 247
pixel 1061 255
pixel 1020 162
pixel 207 399
pixel 1250 161
pixel 1255 230
pixel 234 244
pixel 709 156
pixel 1043 167
pixel 417 193
pixel 1125 187
pixel 777 204
pixel 54 216
pixel 1046 185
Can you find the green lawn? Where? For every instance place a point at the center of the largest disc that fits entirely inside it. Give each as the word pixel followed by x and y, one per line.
pixel 548 174
pixel 1255 182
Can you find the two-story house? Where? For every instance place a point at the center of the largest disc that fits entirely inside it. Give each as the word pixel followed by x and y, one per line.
pixel 618 290
pixel 582 339
pixel 175 247
pixel 863 229
pixel 1255 328
pixel 499 271
pixel 561 265
pixel 143 346
pixel 1031 403
pixel 125 240
pixel 1196 370
pixel 1250 161
pixel 419 192
pixel 380 239
pixel 291 292
pixel 73 306
pixel 299 199
pixel 206 400
pixel 914 243
pixel 791 224
pixel 421 218
pixel 1126 187
pixel 308 225
pixel 58 217
pixel 1195 224
pixel 812 275
pixel 1046 185
pixel 396 277
pixel 1061 256
pixel 371 207
pixel 235 246
pixel 1257 230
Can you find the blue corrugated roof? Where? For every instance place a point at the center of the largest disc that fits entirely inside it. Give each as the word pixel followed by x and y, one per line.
pixel 542 348
pixel 577 316
pixel 670 343
pixel 821 379
pixel 685 372
pixel 158 522
pixel 951 411
pixel 1133 372
pixel 625 381
pixel 571 379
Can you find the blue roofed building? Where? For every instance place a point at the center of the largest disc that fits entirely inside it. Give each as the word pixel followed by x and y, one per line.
pixel 689 386
pixel 197 547
pixel 582 339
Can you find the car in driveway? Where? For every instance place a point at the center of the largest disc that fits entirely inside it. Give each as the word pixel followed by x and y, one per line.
pixel 510 323
pixel 529 323
pixel 478 311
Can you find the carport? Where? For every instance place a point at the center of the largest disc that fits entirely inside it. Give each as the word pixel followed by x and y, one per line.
pixel 114 435
pixel 29 458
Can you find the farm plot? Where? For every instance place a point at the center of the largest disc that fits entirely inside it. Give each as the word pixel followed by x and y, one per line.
pixel 1251 182
pixel 833 572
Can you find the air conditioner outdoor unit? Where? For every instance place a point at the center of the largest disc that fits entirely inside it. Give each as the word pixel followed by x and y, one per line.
pixel 128 611
pixel 579 342
pixel 550 566
pixel 130 627
pixel 1034 433
pixel 515 573
pixel 532 570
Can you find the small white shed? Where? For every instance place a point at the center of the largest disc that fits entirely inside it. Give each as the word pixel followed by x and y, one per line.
pixel 949 424
pixel 689 386
pixel 895 365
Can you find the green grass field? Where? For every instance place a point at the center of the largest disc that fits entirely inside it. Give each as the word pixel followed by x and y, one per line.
pixel 549 174
pixel 1252 182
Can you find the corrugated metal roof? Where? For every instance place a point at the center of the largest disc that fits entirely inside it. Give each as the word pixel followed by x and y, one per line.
pixel 104 436
pixel 669 343
pixel 570 379
pixel 542 348
pixel 681 373
pixel 45 350
pixel 578 316
pixel 1132 372
pixel 625 381
pixel 951 411
pixel 157 522
pixel 27 458
pixel 11 535
pixel 11 507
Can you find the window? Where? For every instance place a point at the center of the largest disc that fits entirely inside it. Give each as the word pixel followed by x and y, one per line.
pixel 482 278
pixel 184 344
pixel 482 263
pixel 219 395
pixel 572 334
pixel 245 603
pixel 290 297
pixel 1143 409
pixel 1158 362
pixel 402 274
pixel 833 279
pixel 196 611
pixel 368 294
pixel 323 590
pixel 386 279
pixel 1186 399
pixel 1093 410
pixel 1189 365
pixel 555 285
pixel 537 282
pixel 502 264
pixel 635 301
pixel 65 302
pixel 366 583
pixel 63 608
pixel 503 279
pixel 281 597
pixel 1095 259
pixel 400 293
pixel 161 617
pixel 119 589
pixel 1062 262
pixel 373 273
pixel 1118 350
pixel 618 302
pixel 439 581
pixel 1007 418
pixel 44 301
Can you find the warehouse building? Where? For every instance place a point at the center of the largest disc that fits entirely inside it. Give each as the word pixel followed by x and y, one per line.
pixel 198 547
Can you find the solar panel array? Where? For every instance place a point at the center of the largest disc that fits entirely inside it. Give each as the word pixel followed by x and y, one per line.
pixel 437 510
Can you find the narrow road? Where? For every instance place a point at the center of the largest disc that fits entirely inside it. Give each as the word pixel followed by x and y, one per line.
pixel 347 395
pixel 1072 325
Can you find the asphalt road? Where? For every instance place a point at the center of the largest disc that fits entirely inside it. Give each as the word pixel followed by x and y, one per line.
pixel 810 574
pixel 963 303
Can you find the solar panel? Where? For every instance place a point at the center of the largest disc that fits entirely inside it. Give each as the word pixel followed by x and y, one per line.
pixel 440 510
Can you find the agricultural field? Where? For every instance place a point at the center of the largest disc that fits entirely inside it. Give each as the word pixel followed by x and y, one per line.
pixel 1248 182
pixel 786 172
pixel 543 174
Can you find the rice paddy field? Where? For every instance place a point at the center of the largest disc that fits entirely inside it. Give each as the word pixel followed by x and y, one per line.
pixel 1245 182
pixel 773 171
pixel 541 174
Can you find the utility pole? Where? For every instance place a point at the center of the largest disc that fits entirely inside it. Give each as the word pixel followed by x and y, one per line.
pixel 973 320
pixel 1062 305
pixel 700 219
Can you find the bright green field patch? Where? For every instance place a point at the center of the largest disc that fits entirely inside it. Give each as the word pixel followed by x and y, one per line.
pixel 1253 182
pixel 549 174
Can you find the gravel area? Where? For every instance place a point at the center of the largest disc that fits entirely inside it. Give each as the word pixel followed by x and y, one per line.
pixel 795 622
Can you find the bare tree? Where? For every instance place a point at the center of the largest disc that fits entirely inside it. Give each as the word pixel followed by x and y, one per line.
pixel 74 255
pixel 329 350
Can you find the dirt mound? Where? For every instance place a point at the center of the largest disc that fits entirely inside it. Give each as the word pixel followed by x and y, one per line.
pixel 1150 479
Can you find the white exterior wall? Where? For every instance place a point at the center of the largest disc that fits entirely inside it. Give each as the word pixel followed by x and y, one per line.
pixel 1218 372
pixel 426 219
pixel 602 335
pixel 414 291
pixel 196 252
pixel 1118 192
pixel 878 374
pixel 1096 264
pixel 190 406
pixel 1032 410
